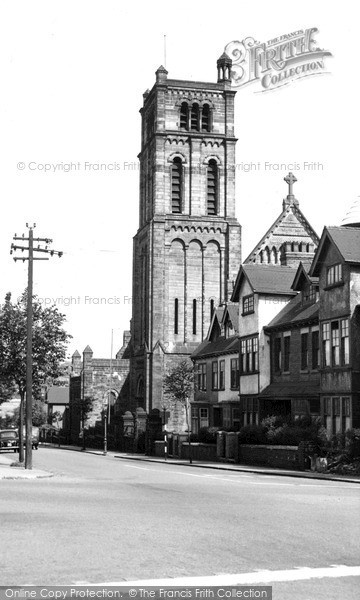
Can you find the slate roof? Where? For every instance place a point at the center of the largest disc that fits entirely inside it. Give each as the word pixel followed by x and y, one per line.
pixel 347 241
pixel 294 313
pixel 266 279
pixel 233 312
pixel 222 345
pixel 286 389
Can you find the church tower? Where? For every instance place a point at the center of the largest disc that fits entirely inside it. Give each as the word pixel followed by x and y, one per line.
pixel 187 248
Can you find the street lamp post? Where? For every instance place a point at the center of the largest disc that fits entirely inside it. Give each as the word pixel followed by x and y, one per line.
pixel 107 405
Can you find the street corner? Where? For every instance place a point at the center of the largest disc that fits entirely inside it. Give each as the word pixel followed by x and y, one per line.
pixel 13 471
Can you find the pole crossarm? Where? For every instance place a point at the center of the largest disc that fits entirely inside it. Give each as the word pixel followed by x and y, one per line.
pixel 29 351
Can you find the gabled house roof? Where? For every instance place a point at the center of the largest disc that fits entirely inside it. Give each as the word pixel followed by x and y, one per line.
pixel 231 312
pixel 302 277
pixel 346 240
pixel 265 279
pixel 295 313
pixel 222 345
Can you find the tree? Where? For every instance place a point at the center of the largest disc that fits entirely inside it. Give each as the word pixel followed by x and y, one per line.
pixel 48 348
pixel 178 386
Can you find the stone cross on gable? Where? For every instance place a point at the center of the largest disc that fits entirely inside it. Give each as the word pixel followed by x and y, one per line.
pixel 290 180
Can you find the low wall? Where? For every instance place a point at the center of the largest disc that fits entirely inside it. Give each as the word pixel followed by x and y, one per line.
pixel 159 448
pixel 199 451
pixel 281 457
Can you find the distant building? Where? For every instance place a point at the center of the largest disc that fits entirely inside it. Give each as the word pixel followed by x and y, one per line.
pixel 100 379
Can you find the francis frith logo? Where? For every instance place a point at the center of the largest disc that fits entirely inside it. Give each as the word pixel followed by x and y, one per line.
pixel 277 62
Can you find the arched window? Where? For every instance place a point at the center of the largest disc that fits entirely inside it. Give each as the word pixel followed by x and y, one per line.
pixel 140 387
pixel 176 186
pixel 194 123
pixel 176 316
pixel 212 188
pixel 184 116
pixel 205 120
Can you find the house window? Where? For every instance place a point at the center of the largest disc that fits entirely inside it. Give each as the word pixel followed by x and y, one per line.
pixel 250 410
pixel 194 121
pixel 287 353
pixel 335 344
pixel 248 304
pixel 201 376
pixel 277 354
pixel 222 375
pixel 212 185
pixel 214 375
pixel 236 419
pixel 176 316
pixel 234 373
pixel 344 343
pixel 226 416
pixel 205 120
pixel 315 350
pixel 194 419
pixel 249 355
pixel 304 351
pixel 203 417
pixel 334 274
pixel 310 294
pixel 176 186
pixel 300 407
pixel 326 345
pixel 184 116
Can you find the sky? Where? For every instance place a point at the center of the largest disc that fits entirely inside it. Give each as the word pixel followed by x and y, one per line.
pixel 73 74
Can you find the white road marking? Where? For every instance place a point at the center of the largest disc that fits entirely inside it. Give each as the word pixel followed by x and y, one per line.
pixel 241 476
pixel 297 574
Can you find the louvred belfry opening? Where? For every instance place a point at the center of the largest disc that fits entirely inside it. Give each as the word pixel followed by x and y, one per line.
pixel 212 188
pixel 176 185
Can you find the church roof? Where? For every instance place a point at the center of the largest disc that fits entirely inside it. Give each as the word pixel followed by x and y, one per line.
pixel 291 225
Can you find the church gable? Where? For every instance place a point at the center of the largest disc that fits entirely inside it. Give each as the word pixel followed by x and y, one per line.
pixel 290 238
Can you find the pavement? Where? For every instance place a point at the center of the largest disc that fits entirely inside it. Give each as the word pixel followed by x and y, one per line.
pixel 11 472
pixel 16 472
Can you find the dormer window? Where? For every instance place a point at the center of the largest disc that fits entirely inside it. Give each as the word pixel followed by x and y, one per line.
pixel 334 274
pixel 310 294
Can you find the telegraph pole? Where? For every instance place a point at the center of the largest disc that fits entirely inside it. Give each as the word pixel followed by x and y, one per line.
pixel 29 384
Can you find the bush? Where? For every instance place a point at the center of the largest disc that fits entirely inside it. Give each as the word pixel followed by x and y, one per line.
pixel 207 435
pixel 253 434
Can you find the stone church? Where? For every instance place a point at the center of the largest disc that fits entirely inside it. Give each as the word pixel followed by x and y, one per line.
pixel 187 249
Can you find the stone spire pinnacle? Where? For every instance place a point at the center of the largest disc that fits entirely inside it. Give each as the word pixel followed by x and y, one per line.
pixel 290 199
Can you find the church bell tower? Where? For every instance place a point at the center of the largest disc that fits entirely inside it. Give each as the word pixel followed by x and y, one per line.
pixel 187 247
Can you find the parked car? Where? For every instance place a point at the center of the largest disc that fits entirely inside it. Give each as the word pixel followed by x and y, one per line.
pixel 9 440
pixel 34 438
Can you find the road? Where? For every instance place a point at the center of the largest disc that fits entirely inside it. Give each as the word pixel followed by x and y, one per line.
pixel 101 519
